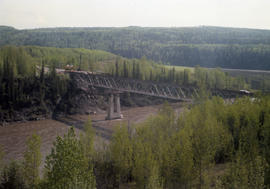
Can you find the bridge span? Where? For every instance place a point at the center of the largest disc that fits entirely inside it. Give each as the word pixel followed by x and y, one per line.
pixel 116 85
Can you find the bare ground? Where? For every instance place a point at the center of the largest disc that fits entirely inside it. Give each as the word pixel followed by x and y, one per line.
pixel 13 136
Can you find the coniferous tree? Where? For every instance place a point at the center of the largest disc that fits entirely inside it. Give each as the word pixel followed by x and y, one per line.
pixel 186 77
pixel 125 70
pixel 134 69
pixel 138 71
pixel 42 82
pixel 117 73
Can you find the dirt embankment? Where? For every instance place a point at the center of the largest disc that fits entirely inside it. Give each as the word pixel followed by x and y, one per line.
pixel 77 98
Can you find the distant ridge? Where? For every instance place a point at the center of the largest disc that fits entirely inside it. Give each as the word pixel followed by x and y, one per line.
pixel 138 27
pixel 207 46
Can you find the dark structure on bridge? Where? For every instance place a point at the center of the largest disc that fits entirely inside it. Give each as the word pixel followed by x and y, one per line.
pixel 115 85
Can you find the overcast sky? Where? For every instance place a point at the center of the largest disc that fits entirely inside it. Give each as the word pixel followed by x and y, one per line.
pixel 171 13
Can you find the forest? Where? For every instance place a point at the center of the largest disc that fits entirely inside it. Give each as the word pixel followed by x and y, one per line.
pixel 187 46
pixel 165 151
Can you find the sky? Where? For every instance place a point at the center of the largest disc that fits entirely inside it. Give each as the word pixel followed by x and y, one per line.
pixel 26 14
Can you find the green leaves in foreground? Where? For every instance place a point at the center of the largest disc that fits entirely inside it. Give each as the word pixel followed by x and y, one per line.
pixel 67 166
pixel 163 152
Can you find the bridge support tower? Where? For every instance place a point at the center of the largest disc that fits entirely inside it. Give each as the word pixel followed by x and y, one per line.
pixel 114 102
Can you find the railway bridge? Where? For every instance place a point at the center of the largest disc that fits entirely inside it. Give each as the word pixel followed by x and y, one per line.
pixel 115 85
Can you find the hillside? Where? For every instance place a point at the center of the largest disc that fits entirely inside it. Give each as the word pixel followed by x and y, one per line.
pixel 186 46
pixel 31 89
pixel 93 60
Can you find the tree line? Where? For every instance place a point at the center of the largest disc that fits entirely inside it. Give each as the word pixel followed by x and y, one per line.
pixel 144 69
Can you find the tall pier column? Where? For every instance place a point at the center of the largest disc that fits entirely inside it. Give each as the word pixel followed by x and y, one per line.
pixel 110 107
pixel 118 106
pixel 114 104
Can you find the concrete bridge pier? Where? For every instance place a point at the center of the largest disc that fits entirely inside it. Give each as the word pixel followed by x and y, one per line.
pixel 112 114
pixel 110 110
pixel 118 107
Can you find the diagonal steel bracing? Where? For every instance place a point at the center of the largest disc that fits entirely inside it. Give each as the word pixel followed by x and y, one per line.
pixel 162 90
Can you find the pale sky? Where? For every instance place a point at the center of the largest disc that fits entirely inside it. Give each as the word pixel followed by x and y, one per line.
pixel 23 14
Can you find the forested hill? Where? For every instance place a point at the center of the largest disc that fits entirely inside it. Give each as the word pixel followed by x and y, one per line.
pixel 187 46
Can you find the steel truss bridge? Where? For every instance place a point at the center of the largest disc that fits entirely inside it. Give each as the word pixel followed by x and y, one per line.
pixel 149 88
